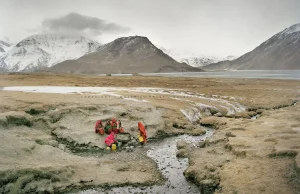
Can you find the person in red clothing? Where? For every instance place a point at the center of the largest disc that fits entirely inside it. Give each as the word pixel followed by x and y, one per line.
pixel 114 126
pixel 110 139
pixel 99 127
pixel 143 133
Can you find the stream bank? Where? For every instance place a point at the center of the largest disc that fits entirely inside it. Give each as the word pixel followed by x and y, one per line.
pixel 172 168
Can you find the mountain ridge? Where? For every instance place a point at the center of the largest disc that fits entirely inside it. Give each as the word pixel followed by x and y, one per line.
pixel 45 50
pixel 280 52
pixel 133 54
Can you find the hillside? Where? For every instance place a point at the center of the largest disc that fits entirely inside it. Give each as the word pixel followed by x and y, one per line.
pixel 125 55
pixel 280 52
pixel 45 50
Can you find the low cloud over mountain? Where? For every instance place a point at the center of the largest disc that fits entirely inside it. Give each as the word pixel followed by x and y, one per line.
pixel 74 23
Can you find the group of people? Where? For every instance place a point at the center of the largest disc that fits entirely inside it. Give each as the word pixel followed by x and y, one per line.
pixel 113 127
pixel 110 126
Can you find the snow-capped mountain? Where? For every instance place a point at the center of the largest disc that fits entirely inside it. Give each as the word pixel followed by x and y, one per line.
pixel 281 51
pixel 194 59
pixel 4 45
pixel 45 50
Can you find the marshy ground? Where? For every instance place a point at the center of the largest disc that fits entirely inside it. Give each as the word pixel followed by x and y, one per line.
pixel 48 143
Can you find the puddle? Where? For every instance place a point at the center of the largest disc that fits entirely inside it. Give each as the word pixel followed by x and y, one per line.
pixel 172 168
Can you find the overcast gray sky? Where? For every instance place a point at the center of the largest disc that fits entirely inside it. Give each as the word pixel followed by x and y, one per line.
pixel 209 27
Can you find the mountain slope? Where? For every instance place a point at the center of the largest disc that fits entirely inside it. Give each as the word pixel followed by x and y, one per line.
pixel 192 59
pixel 282 52
pixel 202 61
pixel 45 50
pixel 125 55
pixel 4 45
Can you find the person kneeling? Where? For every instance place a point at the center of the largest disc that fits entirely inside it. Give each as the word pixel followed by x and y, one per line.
pixel 110 141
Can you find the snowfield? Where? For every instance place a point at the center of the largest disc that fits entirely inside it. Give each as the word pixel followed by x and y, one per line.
pixel 45 50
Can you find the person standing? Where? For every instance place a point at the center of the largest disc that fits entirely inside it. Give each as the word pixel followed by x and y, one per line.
pixel 143 134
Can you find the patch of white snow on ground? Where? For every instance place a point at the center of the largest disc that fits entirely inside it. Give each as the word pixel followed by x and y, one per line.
pixel 112 91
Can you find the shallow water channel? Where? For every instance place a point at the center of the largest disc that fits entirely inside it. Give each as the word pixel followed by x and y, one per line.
pixel 172 168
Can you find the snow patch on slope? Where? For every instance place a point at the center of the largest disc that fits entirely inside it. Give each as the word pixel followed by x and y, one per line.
pixel 45 50
pixel 5 44
pixel 292 29
pixel 192 59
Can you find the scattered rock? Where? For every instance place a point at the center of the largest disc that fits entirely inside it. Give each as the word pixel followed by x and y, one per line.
pixel 132 142
pixel 202 144
pixel 245 114
pixel 218 114
pixel 62 147
pixel 122 167
pixel 182 153
pixel 229 134
pixel 178 124
pixel 259 111
pixel 123 137
pixel 199 131
pixel 210 167
pixel 131 148
pixel 213 110
pixel 207 112
pixel 190 173
pixel 252 113
pixel 189 127
pixel 208 185
pixel 181 144
pixel 212 122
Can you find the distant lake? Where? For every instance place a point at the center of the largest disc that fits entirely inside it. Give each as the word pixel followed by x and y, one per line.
pixel 268 74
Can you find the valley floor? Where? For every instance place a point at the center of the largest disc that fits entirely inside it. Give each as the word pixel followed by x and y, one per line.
pixel 48 142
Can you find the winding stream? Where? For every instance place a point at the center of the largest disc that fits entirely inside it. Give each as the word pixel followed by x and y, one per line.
pixel 172 168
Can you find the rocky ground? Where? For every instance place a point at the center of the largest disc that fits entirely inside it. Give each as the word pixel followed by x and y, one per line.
pixel 48 142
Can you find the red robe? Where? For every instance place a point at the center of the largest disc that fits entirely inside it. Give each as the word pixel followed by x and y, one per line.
pixel 142 131
pixel 110 139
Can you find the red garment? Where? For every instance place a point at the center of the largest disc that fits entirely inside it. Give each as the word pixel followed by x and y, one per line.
pixel 98 125
pixel 142 131
pixel 110 139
